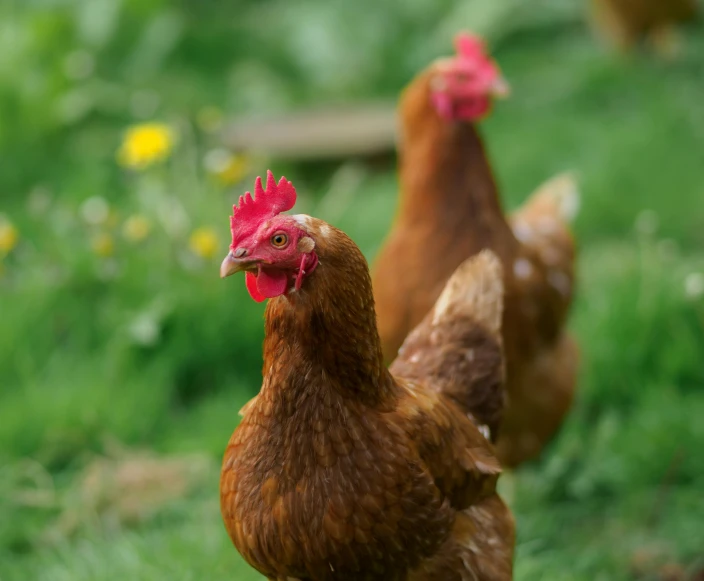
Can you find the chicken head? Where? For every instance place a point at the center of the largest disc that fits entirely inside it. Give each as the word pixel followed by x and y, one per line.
pixel 274 250
pixel 464 86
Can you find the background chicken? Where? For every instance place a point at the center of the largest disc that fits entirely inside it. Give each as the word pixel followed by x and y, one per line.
pixel 449 209
pixel 339 468
pixel 625 22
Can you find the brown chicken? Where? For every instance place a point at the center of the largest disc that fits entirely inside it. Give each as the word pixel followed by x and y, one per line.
pixel 625 22
pixel 449 209
pixel 341 469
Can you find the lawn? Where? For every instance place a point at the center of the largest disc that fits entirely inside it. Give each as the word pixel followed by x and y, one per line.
pixel 124 359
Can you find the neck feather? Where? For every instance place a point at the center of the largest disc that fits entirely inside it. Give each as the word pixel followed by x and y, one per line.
pixel 440 158
pixel 325 335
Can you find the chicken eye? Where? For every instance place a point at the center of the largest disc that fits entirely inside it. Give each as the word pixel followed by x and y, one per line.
pixel 279 240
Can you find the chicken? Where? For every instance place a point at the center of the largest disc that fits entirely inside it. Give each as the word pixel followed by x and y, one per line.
pixel 341 469
pixel 625 22
pixel 449 209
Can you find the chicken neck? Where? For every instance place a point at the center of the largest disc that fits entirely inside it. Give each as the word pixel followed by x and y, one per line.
pixel 325 337
pixel 446 179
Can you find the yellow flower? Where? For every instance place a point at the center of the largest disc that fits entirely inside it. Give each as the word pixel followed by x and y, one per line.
pixel 226 167
pixel 136 228
pixel 145 144
pixel 8 236
pixel 204 242
pixel 103 245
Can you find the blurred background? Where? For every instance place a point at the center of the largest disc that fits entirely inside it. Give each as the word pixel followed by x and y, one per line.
pixel 128 128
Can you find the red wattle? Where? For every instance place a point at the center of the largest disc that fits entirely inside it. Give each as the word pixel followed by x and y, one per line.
pixel 251 281
pixel 272 283
pixel 266 284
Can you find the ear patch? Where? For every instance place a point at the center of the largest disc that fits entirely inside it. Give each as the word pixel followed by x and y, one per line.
pixel 306 244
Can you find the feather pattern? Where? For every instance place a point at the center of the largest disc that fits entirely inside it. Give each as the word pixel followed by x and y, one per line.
pixel 449 210
pixel 342 470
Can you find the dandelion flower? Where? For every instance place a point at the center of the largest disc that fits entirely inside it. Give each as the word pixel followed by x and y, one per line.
pixel 136 228
pixel 8 236
pixel 103 245
pixel 203 242
pixel 146 144
pixel 226 167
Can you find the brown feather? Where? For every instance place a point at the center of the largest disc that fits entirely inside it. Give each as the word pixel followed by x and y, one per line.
pixel 625 22
pixel 449 209
pixel 341 470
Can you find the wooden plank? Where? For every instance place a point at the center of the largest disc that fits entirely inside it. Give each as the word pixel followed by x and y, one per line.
pixel 330 133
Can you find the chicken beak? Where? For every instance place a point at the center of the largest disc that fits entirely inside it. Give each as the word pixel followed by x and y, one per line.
pixel 500 88
pixel 231 265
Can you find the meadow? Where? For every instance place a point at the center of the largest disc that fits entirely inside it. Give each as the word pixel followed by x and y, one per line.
pixel 124 359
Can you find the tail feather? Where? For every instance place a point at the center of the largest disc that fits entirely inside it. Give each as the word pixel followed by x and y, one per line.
pixel 558 196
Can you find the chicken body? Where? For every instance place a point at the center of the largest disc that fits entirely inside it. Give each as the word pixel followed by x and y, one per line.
pixel 625 22
pixel 342 470
pixel 449 209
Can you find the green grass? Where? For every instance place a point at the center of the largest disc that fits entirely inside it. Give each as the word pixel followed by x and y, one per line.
pixel 617 493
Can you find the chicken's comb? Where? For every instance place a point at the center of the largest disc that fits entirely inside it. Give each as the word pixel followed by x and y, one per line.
pixel 265 204
pixel 469 45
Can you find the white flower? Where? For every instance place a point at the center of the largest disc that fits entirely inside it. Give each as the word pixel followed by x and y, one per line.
pixel 145 330
pixel 694 285
pixel 95 210
pixel 227 167
pixel 216 160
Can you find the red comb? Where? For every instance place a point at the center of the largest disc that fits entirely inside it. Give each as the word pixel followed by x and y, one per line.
pixel 267 203
pixel 469 45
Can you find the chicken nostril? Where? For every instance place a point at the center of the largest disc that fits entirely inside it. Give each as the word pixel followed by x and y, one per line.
pixel 240 252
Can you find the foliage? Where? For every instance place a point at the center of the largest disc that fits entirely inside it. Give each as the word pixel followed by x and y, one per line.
pixel 116 326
